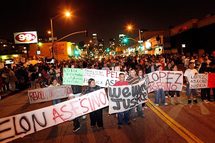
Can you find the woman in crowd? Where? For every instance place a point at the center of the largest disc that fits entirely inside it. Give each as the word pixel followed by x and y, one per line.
pixel 96 117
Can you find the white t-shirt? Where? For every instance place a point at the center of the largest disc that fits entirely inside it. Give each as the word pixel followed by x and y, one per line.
pixel 190 73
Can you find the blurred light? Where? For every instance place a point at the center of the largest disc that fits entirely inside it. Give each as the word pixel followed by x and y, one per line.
pixel 129 27
pixel 125 40
pixel 148 44
pixel 40 44
pixel 94 34
pixel 183 45
pixel 4 45
pixel 140 41
pixel 146 52
pixel 49 32
pixel 68 14
pixel 69 48
pixel 15 56
pixel 25 51
pixel 24 48
pixel 4 57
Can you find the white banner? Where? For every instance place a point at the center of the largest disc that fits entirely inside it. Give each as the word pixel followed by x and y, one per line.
pixel 123 98
pixel 167 80
pixel 103 78
pixel 25 37
pixel 20 125
pixel 48 93
pixel 199 81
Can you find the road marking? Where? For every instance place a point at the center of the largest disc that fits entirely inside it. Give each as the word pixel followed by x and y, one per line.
pixel 183 132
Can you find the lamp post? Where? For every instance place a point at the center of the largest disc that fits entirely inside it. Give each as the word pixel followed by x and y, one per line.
pixel 67 14
pixel 130 28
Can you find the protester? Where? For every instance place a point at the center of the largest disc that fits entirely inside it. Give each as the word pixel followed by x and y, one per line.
pixel 134 79
pixel 190 73
pixel 55 83
pixel 122 116
pixel 174 94
pixel 205 92
pixel 96 117
pixel 76 89
pixel 159 93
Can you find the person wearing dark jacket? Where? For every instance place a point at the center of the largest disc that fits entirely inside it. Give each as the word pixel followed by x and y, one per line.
pixel 76 89
pixel 96 118
pixel 205 92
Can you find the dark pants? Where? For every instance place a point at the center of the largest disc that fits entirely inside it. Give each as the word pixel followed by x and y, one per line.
pixel 205 94
pixel 123 116
pixel 96 118
pixel 76 123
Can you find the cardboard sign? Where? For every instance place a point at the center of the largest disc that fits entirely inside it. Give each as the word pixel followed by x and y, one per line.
pixel 203 81
pixel 49 93
pixel 20 125
pixel 123 98
pixel 199 81
pixel 103 78
pixel 167 80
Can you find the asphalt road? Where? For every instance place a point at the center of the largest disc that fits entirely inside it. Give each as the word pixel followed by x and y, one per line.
pixel 164 124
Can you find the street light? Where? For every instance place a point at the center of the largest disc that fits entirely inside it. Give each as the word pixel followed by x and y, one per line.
pixel 130 28
pixel 66 14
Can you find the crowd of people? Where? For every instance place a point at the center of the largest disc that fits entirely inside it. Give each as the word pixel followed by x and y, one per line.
pixel 19 77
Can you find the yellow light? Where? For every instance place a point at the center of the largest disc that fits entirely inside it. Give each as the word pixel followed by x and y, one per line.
pixel 40 44
pixel 129 27
pixel 4 57
pixel 15 56
pixel 49 32
pixel 68 14
pixel 69 48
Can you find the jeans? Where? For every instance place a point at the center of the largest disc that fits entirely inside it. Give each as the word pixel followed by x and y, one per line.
pixel 190 91
pixel 123 116
pixel 159 94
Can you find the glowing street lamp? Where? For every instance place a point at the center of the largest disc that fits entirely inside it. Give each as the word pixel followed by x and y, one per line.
pixel 129 27
pixel 66 14
pixel 49 32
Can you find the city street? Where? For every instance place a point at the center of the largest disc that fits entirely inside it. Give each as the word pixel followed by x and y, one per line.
pixel 164 124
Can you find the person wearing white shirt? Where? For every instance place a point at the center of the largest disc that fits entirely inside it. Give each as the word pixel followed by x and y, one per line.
pixel 189 74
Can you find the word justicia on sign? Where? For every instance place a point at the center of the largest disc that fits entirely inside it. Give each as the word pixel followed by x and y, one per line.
pixel 122 98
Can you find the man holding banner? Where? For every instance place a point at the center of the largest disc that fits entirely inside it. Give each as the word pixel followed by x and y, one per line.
pixel 189 74
pixel 122 115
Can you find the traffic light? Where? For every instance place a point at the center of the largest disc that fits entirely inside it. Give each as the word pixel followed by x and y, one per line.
pixel 107 50
pixel 76 53
pixel 125 40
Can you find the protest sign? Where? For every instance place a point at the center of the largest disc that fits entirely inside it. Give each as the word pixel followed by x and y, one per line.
pixel 199 81
pixel 20 125
pixel 122 98
pixel 202 81
pixel 167 80
pixel 73 76
pixel 211 80
pixel 48 93
pixel 103 78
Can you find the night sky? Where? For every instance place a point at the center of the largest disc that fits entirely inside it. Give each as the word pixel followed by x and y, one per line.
pixel 105 17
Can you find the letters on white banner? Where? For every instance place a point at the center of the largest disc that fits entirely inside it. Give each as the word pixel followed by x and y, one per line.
pixel 199 81
pixel 167 80
pixel 122 98
pixel 20 125
pixel 48 93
